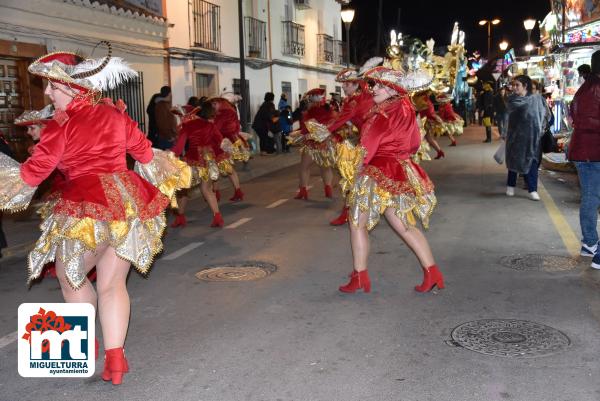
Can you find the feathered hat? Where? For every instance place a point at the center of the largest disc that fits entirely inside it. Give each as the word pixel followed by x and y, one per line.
pixel 315 95
pixel 35 117
pixel 347 75
pixel 369 64
pixel 87 75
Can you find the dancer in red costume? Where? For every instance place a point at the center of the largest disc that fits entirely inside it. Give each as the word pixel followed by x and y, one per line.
pixel 389 182
pixel 228 123
pixel 453 123
pixel 205 156
pixel 322 153
pixel 434 126
pixel 105 215
pixel 355 106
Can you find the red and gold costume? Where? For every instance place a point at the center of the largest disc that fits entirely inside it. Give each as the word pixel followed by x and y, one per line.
pixel 100 200
pixel 453 123
pixel 228 123
pixel 323 153
pixel 434 124
pixel 389 177
pixel 204 152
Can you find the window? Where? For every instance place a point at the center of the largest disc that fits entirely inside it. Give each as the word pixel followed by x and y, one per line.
pixel 207 25
pixel 286 87
pixel 206 84
pixel 293 39
pixel 255 38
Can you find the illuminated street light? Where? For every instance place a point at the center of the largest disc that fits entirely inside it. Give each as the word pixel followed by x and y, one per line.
pixel 489 24
pixel 347 17
pixel 503 45
pixel 528 47
pixel 529 24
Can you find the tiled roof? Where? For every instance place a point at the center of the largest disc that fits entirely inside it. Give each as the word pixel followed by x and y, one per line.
pixel 120 7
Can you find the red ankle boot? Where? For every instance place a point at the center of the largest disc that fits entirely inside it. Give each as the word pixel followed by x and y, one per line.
pixel 115 365
pixel 302 194
pixel 358 280
pixel 328 191
pixel 237 196
pixel 453 143
pixel 217 220
pixel 179 221
pixel 341 219
pixel 440 155
pixel 218 195
pixel 431 277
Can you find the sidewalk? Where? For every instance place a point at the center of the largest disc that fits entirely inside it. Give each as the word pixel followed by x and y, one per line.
pixel 22 229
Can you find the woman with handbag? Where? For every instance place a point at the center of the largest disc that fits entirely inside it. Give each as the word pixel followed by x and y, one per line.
pixel 526 121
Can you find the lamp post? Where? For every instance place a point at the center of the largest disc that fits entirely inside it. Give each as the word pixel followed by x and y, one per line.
pixel 503 46
pixel 529 24
pixel 347 17
pixel 489 24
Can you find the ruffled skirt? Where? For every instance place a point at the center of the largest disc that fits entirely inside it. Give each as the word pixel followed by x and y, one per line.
pixel 210 167
pixel 400 184
pixel 322 153
pixel 240 151
pixel 435 128
pixel 455 127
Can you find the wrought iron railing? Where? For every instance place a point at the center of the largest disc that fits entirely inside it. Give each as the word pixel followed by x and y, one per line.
pixel 325 48
pixel 293 39
pixel 132 93
pixel 207 25
pixel 339 53
pixel 256 38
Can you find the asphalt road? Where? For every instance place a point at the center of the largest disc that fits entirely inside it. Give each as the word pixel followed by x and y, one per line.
pixel 293 336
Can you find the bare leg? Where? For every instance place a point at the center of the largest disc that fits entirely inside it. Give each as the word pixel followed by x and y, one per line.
pixel 113 299
pixel 413 237
pixel 86 292
pixel 209 196
pixel 359 239
pixel 235 180
pixel 182 203
pixel 327 175
pixel 432 142
pixel 452 140
pixel 305 162
pixel 215 186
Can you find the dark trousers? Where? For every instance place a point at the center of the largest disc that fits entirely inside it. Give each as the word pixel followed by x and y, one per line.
pixel 266 143
pixel 531 178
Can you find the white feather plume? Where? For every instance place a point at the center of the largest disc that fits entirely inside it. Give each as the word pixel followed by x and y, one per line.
pixel 112 75
pixel 370 63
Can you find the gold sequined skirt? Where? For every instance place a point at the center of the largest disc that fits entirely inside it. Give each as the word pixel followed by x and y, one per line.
pixel 410 194
pixel 435 128
pixel 240 151
pixel 322 153
pixel 455 127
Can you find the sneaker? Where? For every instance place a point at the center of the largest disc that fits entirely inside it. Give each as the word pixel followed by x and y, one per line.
pixel 589 251
pixel 596 261
pixel 510 191
pixel 534 196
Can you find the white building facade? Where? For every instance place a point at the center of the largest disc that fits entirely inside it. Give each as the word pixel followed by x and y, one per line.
pixel 290 46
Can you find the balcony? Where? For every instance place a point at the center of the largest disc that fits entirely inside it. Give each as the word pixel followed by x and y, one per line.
pixel 293 39
pixel 339 54
pixel 207 25
pixel 256 38
pixel 302 4
pixel 326 49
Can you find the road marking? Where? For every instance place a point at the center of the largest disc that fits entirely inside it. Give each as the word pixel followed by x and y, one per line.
pixel 182 251
pixel 277 203
pixel 239 222
pixel 561 224
pixel 8 339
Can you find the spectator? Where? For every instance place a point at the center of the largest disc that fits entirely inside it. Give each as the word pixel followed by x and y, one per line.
pixel 275 131
pixel 526 121
pixel 152 128
pixel 500 111
pixel 584 151
pixel 487 107
pixel 262 123
pixel 286 123
pixel 283 103
pixel 584 71
pixel 166 123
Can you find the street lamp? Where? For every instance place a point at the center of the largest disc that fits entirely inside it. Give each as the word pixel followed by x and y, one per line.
pixel 529 24
pixel 347 17
pixel 489 24
pixel 503 46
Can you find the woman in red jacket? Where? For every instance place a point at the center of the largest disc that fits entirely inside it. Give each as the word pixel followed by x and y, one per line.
pixel 206 157
pixel 389 182
pixel 104 214
pixel 434 126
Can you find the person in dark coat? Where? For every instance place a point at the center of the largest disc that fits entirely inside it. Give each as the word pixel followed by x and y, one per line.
pixel 152 128
pixel 487 106
pixel 4 148
pixel 500 112
pixel 263 122
pixel 527 118
pixel 166 123
pixel 584 151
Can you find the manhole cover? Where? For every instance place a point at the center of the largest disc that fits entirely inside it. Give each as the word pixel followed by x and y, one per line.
pixel 236 271
pixel 509 338
pixel 533 262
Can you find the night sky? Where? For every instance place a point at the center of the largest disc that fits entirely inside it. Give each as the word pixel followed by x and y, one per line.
pixel 426 19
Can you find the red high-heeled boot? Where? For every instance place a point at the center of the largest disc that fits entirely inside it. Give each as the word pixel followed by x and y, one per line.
pixel 217 195
pixel 179 221
pixel 453 143
pixel 341 219
pixel 431 277
pixel 302 194
pixel 358 280
pixel 115 365
pixel 237 196
pixel 217 220
pixel 440 154
pixel 328 191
